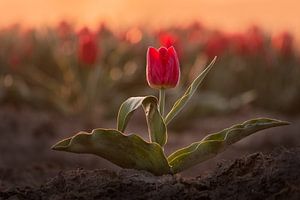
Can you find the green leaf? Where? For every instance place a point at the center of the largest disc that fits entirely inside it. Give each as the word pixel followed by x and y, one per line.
pixel 156 126
pixel 215 143
pixel 125 151
pixel 239 131
pixel 180 103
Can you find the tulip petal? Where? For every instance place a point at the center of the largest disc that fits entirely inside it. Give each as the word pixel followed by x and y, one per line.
pixel 154 67
pixel 175 69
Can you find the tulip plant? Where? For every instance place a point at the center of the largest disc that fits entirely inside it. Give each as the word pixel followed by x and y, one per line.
pixel 131 151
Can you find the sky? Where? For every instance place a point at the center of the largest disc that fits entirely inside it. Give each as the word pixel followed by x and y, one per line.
pixel 272 15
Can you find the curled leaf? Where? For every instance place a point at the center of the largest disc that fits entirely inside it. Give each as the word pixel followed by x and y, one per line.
pixel 156 126
pixel 125 151
pixel 215 143
pixel 239 131
pixel 180 103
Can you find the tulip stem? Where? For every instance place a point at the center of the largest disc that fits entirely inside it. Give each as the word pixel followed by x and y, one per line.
pixel 161 103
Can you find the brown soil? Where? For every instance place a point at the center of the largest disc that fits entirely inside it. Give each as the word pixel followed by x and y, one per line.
pixel 257 176
pixel 30 170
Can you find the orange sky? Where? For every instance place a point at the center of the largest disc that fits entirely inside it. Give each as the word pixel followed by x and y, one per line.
pixel 273 15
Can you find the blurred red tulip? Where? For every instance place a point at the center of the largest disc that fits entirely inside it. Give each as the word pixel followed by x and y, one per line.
pixel 283 43
pixel 162 69
pixel 216 45
pixel 88 49
pixel 167 39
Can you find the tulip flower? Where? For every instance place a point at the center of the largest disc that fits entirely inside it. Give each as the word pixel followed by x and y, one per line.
pixel 162 68
pixel 88 49
pixel 216 45
pixel 162 71
pixel 168 39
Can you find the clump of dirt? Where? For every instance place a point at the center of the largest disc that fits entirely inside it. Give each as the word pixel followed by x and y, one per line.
pixel 256 176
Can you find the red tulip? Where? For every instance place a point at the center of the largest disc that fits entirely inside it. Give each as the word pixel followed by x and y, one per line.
pixel 88 49
pixel 167 39
pixel 163 69
pixel 216 45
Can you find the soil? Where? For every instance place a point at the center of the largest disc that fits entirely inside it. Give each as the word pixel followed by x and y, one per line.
pixel 257 176
pixel 30 170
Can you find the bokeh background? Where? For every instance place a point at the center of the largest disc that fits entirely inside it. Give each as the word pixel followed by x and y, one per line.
pixel 232 14
pixel 66 66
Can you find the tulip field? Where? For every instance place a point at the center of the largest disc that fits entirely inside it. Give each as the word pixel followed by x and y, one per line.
pixel 145 113
pixel 67 68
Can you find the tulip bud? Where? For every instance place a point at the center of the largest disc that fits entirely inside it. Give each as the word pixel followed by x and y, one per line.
pixel 88 49
pixel 162 69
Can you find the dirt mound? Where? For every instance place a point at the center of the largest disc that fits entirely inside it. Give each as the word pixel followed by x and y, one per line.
pixel 257 176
